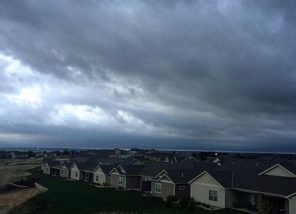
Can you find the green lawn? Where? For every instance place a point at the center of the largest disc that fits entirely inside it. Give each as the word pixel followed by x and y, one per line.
pixel 81 198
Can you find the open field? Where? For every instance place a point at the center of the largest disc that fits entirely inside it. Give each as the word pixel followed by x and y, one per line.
pixel 14 170
pixel 82 198
pixel 13 199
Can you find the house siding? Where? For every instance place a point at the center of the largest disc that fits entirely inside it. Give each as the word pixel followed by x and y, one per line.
pixel 75 170
pixel 167 189
pixel 200 191
pixel 292 205
pixel 46 169
pixel 64 173
pixel 101 178
pixel 115 180
pixel 278 171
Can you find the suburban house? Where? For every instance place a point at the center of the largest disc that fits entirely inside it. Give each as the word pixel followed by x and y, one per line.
pixel 45 167
pixel 86 170
pixel 54 168
pixel 65 169
pixel 258 186
pixel 57 168
pixel 127 176
pixel 75 172
pixel 272 190
pixel 174 179
pixel 101 175
pixel 211 188
pixel 149 173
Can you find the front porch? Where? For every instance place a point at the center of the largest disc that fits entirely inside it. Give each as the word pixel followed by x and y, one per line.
pixel 55 172
pixel 260 203
pixel 272 205
pixel 87 176
pixel 246 201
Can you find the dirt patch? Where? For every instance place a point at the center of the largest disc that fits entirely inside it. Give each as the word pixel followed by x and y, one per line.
pixel 15 170
pixel 13 199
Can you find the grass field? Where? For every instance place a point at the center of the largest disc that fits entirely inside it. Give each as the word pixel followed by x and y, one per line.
pixel 14 170
pixel 81 198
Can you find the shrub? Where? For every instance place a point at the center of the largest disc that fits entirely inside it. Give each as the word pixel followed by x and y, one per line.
pixel 184 202
pixel 191 203
pixel 170 200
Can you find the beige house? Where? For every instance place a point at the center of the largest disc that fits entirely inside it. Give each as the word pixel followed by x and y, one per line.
pixel 206 189
pixel 75 172
pixel 102 175
pixel 127 176
pixel 117 180
pixel 173 182
pixel 45 168
pixel 65 170
pixel 272 190
pixel 163 186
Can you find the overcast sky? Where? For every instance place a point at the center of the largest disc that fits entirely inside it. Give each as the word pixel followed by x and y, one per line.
pixel 162 74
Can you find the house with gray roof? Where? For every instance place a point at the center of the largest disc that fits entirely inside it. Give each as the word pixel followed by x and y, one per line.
pixel 174 179
pixel 249 185
pixel 127 176
pixel 86 170
pixel 149 173
pixel 101 175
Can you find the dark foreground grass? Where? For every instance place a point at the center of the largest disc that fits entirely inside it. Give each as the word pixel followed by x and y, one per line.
pixel 81 198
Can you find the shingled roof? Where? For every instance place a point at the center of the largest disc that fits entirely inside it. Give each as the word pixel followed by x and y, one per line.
pixel 155 168
pixel 107 168
pixel 86 166
pixel 183 173
pixel 131 169
pixel 246 176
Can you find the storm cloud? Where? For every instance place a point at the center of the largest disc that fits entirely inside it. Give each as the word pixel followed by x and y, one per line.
pixel 166 74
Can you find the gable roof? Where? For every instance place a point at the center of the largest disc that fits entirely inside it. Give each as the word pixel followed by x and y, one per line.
pixel 154 169
pixel 246 177
pixel 86 166
pixel 180 176
pixel 274 185
pixel 54 164
pixel 223 178
pixel 282 168
pixel 130 169
pixel 106 168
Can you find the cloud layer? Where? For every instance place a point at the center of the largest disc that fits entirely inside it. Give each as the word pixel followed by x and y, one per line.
pixel 186 74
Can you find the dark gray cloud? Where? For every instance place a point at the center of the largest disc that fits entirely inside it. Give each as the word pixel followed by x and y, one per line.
pixel 220 72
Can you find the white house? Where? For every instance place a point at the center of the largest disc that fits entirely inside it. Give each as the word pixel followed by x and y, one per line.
pixel 75 172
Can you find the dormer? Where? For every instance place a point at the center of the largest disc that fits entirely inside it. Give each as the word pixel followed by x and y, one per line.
pixel 278 170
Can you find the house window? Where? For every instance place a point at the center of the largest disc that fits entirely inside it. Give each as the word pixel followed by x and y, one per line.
pixel 213 195
pixel 97 178
pixel 158 187
pixel 181 187
pixel 76 174
pixel 120 181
